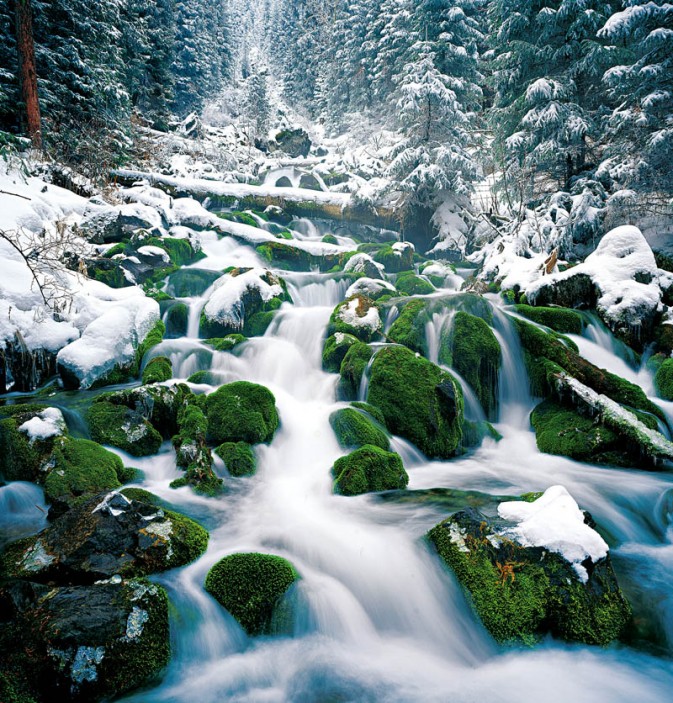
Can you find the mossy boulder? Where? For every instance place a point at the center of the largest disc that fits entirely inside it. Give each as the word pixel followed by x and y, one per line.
pixel 409 327
pixel 208 377
pixel 663 380
pixel 396 257
pixel 335 349
pixel 176 321
pixel 559 319
pixel 225 344
pixel 82 643
pixel 243 301
pixel 354 428
pixel 122 427
pixel 190 282
pixel 547 351
pixel 251 587
pixel 21 458
pixel 79 467
pixel 180 251
pixel 106 535
pixel 241 412
pixel 192 451
pixel 352 370
pixel 419 401
pixel 369 469
pixel 158 370
pixel 375 413
pixel 521 593
pixel 409 283
pixel 238 457
pixel 472 349
pixel 562 430
pixel 357 316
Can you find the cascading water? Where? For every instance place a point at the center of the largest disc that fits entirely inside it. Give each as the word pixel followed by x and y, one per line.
pixel 378 619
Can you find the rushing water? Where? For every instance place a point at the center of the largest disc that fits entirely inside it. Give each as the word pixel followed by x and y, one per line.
pixel 377 617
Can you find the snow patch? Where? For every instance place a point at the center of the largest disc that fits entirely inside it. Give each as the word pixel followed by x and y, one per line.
pixel 49 423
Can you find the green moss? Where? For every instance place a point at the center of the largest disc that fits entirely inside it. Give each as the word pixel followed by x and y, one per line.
pixel 256 325
pixel 329 239
pixel 238 457
pixel 521 593
pixel 20 460
pixel 354 429
pixel 362 305
pixel 154 336
pixel 189 540
pixel 177 320
pixel 419 401
pixel 241 412
pixel 474 352
pixel 371 410
pixel 561 430
pixel 550 351
pixel 393 262
pixel 352 370
pixel 225 344
pixel 410 284
pixel 120 427
pixel 474 433
pixel 212 379
pixel 158 370
pixel 335 349
pixel 191 282
pixel 368 469
pixel 561 320
pixel 663 380
pixel 409 327
pixel 180 251
pixel 531 497
pixel 250 587
pixel 81 467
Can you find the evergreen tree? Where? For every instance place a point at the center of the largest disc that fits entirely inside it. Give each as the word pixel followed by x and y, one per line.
pixel 256 105
pixel 642 86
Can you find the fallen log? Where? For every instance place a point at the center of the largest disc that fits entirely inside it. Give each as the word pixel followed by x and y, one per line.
pixel 299 202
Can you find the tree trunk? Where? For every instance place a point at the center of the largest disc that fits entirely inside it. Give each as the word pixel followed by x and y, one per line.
pixel 27 72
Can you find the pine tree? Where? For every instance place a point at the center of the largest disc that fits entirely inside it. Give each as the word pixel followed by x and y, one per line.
pixel 642 87
pixel 256 102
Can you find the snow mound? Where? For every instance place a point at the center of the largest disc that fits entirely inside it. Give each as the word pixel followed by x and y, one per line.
pixel 370 287
pixel 349 314
pixel 555 522
pixel 49 423
pixel 110 340
pixel 363 263
pixel 226 304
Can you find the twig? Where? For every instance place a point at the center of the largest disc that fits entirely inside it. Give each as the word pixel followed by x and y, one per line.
pixel 16 195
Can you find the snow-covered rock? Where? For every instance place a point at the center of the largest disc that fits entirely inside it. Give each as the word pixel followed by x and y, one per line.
pixel 621 278
pixel 371 287
pixel 49 423
pixel 364 264
pixel 555 522
pixel 110 340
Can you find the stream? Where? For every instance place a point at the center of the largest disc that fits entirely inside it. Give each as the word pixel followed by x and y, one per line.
pixel 377 616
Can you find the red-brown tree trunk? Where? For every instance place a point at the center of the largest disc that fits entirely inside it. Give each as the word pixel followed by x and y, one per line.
pixel 27 72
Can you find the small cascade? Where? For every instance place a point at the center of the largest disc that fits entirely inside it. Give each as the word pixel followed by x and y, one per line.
pixel 23 511
pixel 436 329
pixel 393 314
pixel 515 401
pixel 316 290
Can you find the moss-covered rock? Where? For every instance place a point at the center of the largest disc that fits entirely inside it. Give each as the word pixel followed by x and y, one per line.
pixel 358 316
pixel 375 413
pixel 158 370
pixel 559 319
pixel 474 433
pixel 191 282
pixel 121 427
pixel 238 457
pixel 82 643
pixel 225 344
pixel 352 370
pixel 105 535
pixel 663 380
pixel 251 587
pixel 209 377
pixel 20 458
pixel 181 251
pixel 354 429
pixel 419 401
pixel 335 349
pixel 472 349
pixel 521 593
pixel 409 327
pixel 241 412
pixel 562 430
pixel 192 452
pixel 543 348
pixel 369 469
pixel 177 321
pixel 79 467
pixel 283 255
pixel 409 283
pixel 396 257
